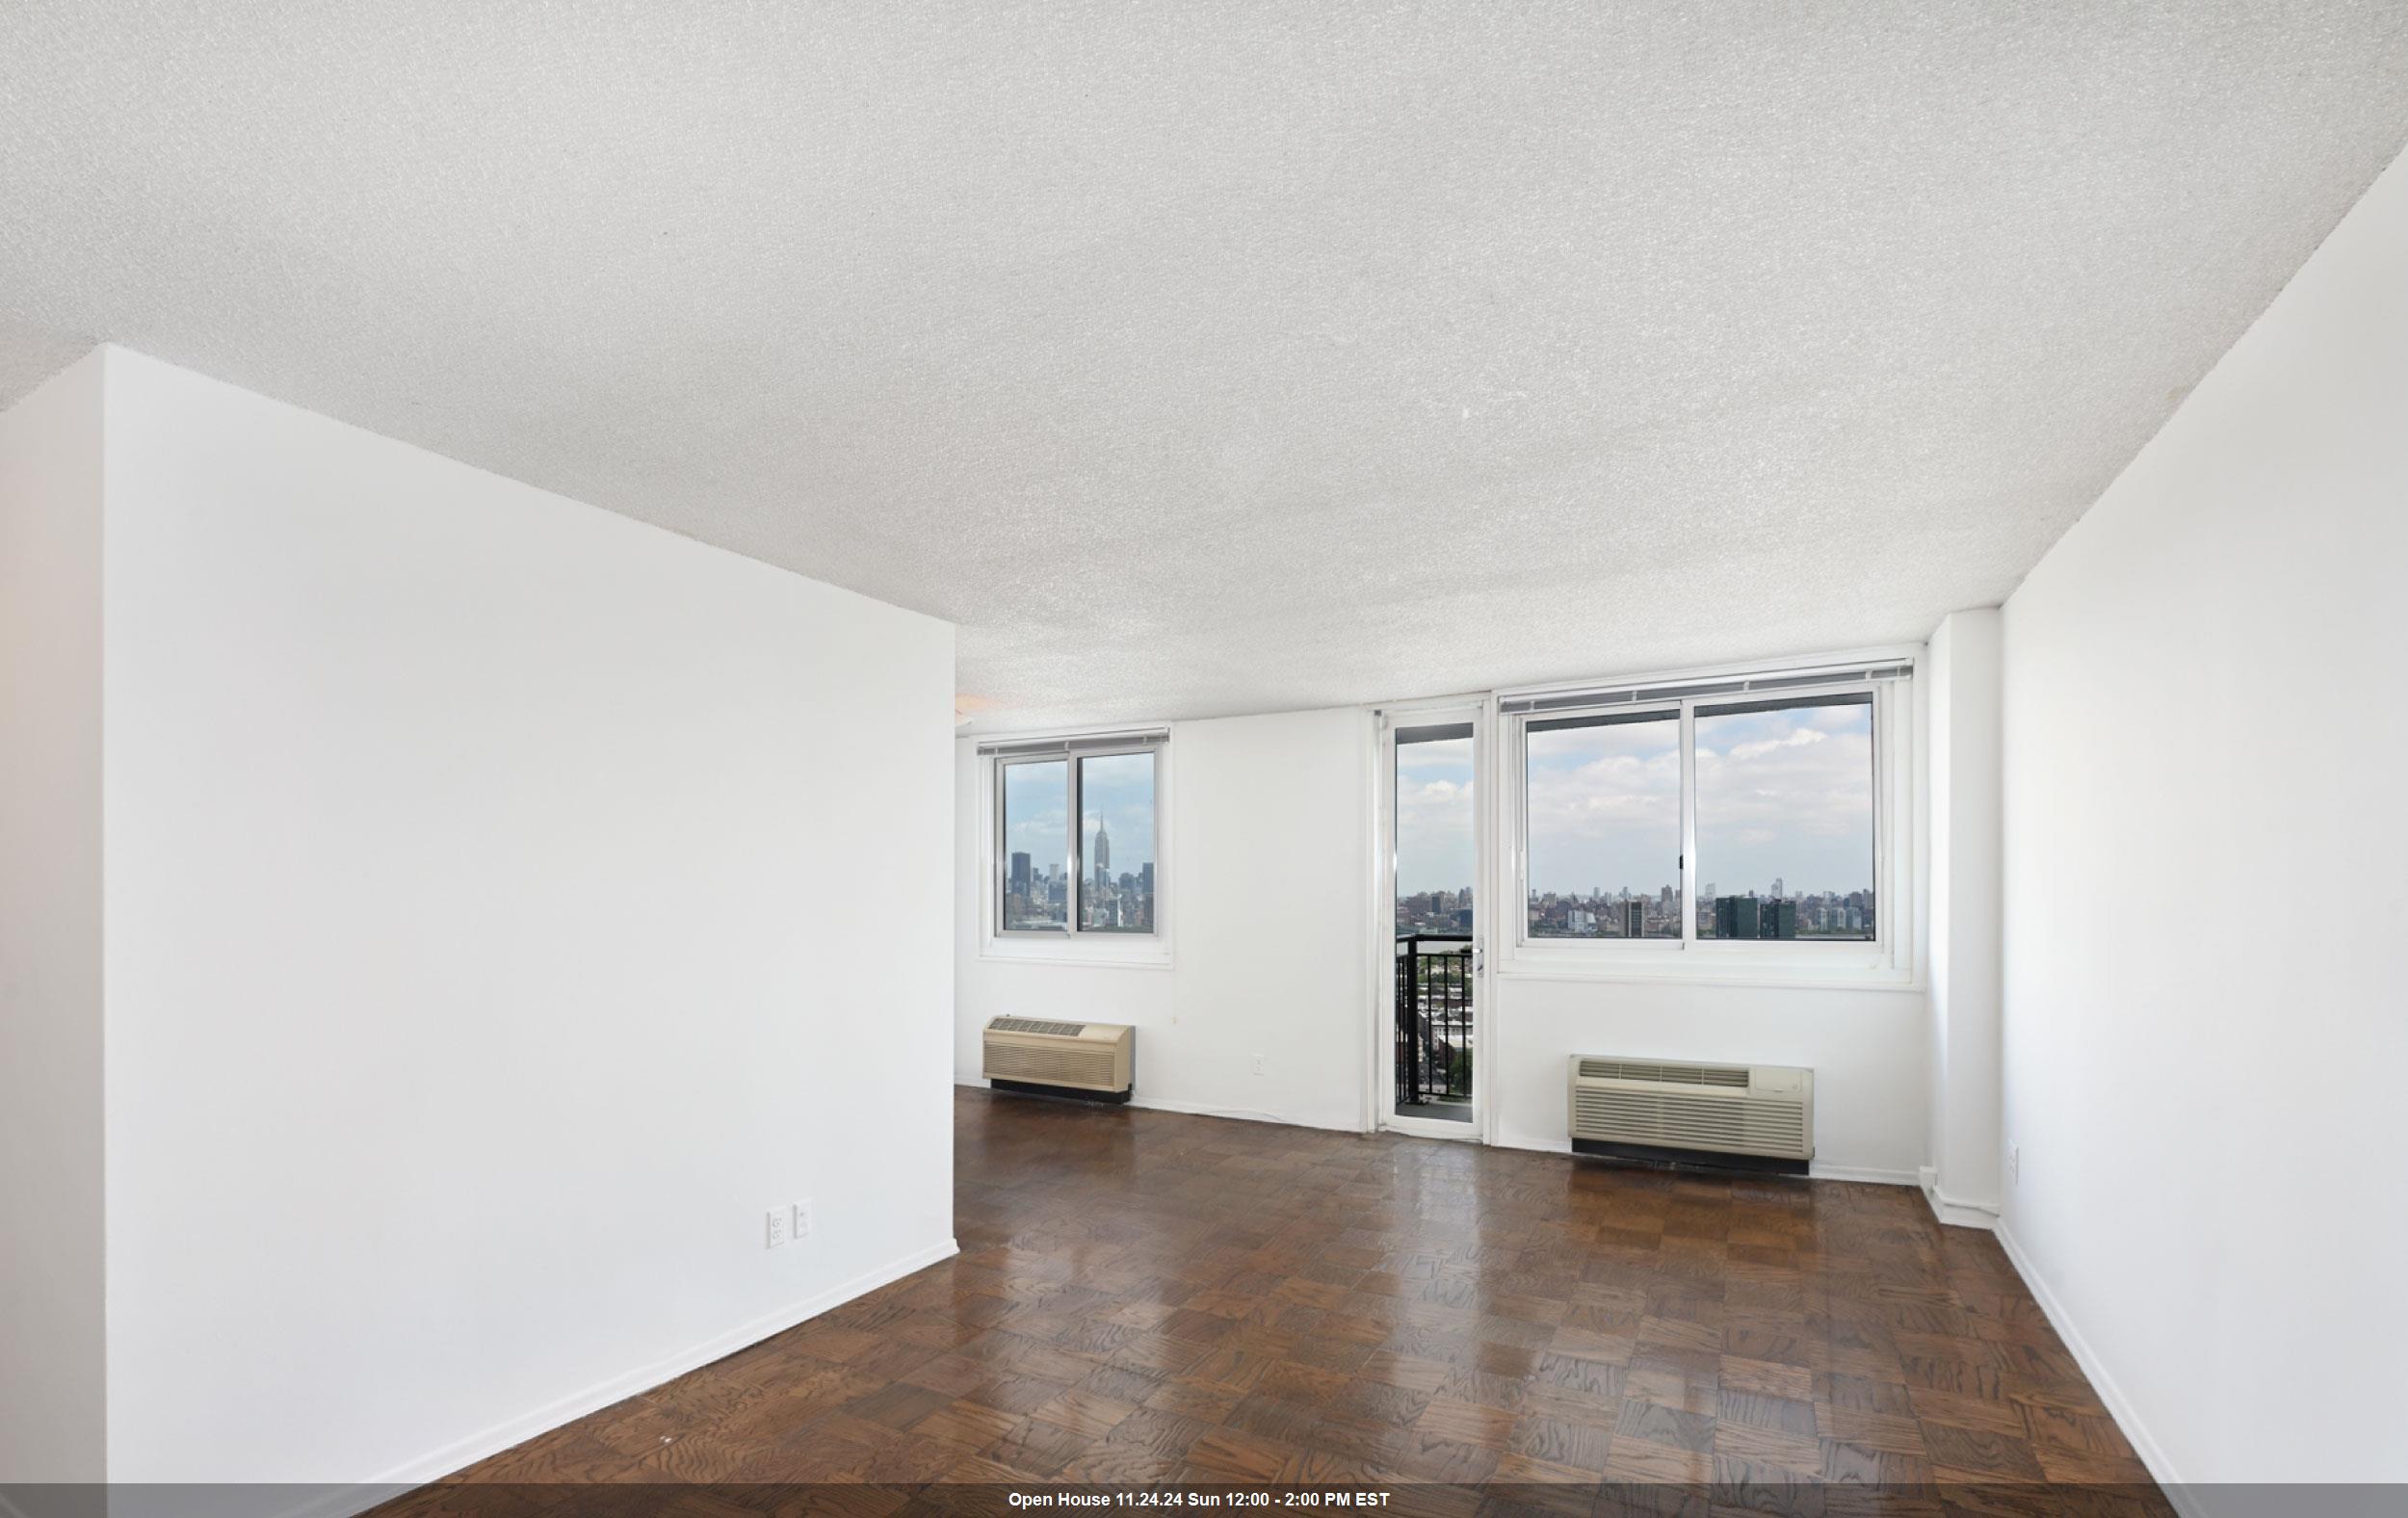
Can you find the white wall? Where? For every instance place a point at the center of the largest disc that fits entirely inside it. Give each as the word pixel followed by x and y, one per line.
pixel 1267 893
pixel 51 1421
pixel 1963 674
pixel 2206 844
pixel 507 904
pixel 1267 902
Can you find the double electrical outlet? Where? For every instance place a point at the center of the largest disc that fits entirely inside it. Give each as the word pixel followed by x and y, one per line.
pixel 789 1222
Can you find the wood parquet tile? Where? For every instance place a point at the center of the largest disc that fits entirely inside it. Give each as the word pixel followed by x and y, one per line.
pixel 1149 1297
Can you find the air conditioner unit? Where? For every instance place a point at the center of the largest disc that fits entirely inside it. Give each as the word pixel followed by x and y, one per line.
pixel 1094 1061
pixel 1733 1116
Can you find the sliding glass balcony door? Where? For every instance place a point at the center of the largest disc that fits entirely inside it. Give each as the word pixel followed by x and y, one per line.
pixel 1431 764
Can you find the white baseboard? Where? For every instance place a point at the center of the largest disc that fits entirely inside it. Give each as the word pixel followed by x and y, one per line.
pixel 1243 1114
pixel 330 1502
pixel 517 1430
pixel 60 1499
pixel 1556 1144
pixel 1816 1170
pixel 1819 1171
pixel 1950 1210
pixel 204 1498
pixel 341 1500
pixel 2186 1498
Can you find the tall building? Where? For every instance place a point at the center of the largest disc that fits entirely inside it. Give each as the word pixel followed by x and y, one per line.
pixel 1634 919
pixel 1019 873
pixel 1737 917
pixel 1103 845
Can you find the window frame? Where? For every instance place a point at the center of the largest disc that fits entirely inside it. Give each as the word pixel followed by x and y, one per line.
pixel 1144 947
pixel 998 767
pixel 1883 958
pixel 1078 840
pixel 1519 762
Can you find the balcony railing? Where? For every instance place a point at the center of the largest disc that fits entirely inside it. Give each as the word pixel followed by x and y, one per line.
pixel 1433 1018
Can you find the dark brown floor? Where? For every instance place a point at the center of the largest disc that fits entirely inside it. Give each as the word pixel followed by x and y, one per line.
pixel 1147 1297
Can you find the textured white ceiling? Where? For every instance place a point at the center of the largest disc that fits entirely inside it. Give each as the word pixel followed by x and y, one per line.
pixel 1224 357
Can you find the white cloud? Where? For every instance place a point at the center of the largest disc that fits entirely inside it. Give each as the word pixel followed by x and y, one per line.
pixel 1435 813
pixel 1605 808
pixel 1780 794
pixel 1787 795
pixel 1747 752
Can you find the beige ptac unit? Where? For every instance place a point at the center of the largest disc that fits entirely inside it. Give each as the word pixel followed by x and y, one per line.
pixel 1091 1062
pixel 1731 1116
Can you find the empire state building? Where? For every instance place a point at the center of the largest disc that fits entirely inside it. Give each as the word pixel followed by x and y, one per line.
pixel 1103 852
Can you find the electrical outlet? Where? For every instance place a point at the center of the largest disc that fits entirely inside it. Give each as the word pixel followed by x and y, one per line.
pixel 2015 1162
pixel 1258 1064
pixel 777 1225
pixel 802 1219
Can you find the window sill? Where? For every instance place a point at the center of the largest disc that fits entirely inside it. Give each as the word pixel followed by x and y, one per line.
pixel 1107 957
pixel 1723 973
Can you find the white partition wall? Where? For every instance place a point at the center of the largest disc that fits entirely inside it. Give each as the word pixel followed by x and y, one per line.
pixel 505 905
pixel 51 1405
pixel 1961 1168
pixel 2205 841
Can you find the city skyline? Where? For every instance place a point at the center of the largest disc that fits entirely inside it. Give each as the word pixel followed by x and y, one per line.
pixel 1785 810
pixel 1782 795
pixel 1116 845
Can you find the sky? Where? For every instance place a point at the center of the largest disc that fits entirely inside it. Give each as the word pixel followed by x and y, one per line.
pixel 1604 808
pixel 1434 807
pixel 1119 791
pixel 1784 795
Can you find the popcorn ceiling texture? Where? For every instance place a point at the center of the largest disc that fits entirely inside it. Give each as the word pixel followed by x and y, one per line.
pixel 1216 358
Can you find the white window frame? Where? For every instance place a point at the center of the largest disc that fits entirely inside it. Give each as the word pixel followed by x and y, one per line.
pixel 1380 1090
pixel 1886 960
pixel 1070 944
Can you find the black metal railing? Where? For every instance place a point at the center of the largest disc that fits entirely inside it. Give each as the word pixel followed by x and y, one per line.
pixel 1433 1018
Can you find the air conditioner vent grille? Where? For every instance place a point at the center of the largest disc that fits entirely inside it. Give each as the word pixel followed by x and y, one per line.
pixel 1765 1110
pixel 1727 1076
pixel 1035 1025
pixel 1690 1123
pixel 1060 1065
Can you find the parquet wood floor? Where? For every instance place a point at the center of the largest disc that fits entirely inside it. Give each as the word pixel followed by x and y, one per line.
pixel 1144 1296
